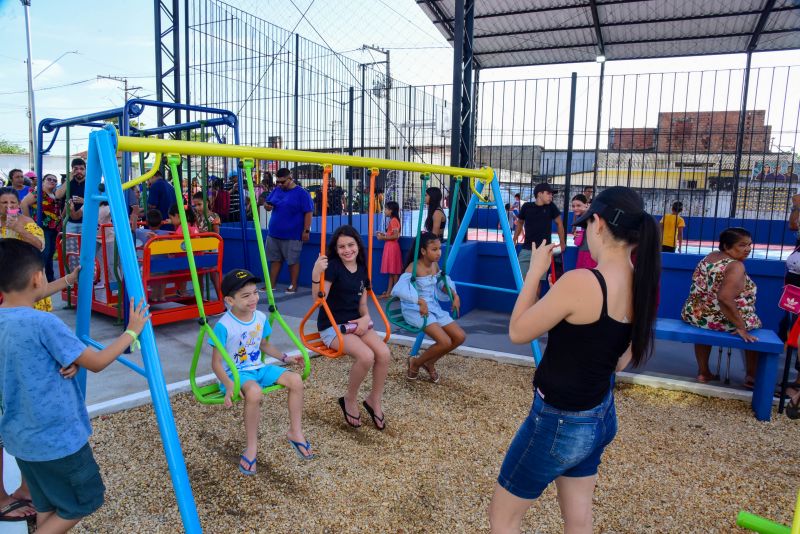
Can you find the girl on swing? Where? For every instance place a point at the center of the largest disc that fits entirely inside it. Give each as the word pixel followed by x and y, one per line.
pixel 346 285
pixel 420 299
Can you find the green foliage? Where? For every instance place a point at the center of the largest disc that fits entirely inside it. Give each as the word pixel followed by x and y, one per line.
pixel 7 147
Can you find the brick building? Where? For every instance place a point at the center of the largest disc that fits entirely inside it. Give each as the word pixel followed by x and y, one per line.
pixel 695 132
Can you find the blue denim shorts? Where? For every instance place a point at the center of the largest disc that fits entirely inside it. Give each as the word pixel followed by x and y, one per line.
pixel 265 376
pixel 552 443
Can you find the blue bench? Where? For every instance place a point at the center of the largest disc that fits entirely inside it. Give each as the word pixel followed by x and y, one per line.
pixel 768 345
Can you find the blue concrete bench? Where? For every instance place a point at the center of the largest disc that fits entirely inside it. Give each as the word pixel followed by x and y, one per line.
pixel 768 345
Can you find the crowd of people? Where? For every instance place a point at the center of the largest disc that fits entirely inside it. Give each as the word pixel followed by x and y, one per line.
pixel 598 317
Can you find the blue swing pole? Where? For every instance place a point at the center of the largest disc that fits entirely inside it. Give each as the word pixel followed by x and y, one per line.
pixel 102 162
pixel 508 239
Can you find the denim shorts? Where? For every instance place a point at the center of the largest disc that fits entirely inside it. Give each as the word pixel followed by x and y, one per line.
pixel 553 443
pixel 265 376
pixel 70 486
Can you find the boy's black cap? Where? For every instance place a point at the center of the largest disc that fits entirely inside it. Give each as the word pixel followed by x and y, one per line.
pixel 237 279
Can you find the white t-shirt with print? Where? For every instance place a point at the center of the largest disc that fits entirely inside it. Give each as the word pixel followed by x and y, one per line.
pixel 243 340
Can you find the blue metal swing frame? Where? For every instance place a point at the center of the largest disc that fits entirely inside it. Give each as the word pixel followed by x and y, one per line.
pixel 508 239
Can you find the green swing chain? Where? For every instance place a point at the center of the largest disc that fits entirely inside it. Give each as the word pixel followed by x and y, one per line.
pixel 173 160
pixel 248 164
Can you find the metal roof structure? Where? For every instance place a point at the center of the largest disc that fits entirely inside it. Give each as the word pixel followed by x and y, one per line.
pixel 510 33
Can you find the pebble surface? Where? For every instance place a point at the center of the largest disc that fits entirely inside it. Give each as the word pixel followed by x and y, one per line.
pixel 680 463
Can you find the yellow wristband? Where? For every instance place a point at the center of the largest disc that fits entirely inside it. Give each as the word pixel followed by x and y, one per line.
pixel 135 343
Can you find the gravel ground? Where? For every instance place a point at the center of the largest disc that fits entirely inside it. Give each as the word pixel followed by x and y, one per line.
pixel 680 463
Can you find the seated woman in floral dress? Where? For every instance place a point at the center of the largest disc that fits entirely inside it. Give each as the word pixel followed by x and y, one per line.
pixel 723 298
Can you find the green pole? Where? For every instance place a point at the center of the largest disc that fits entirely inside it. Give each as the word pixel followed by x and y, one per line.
pixel 247 165
pixel 425 178
pixel 759 524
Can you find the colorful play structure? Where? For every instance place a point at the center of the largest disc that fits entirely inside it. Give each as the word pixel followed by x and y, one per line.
pixel 102 166
pixel 158 263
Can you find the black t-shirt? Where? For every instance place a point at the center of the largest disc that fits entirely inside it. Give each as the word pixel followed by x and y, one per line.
pixel 335 195
pixel 76 189
pixel 538 221
pixel 345 293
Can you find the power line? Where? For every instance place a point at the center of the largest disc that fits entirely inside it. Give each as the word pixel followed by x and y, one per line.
pixel 79 82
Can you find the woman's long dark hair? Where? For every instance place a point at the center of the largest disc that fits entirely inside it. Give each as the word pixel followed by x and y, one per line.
pixel 424 241
pixel 347 231
pixel 646 238
pixel 394 209
pixel 434 203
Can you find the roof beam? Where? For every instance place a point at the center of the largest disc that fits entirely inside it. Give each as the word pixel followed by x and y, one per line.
pixel 447 24
pixel 598 35
pixel 762 21
pixel 442 20
pixel 632 22
pixel 639 41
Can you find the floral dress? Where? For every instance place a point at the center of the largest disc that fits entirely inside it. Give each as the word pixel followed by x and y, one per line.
pixel 46 304
pixel 702 307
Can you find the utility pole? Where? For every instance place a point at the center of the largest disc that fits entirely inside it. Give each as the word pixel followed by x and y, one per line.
pixel 32 148
pixel 123 81
pixel 388 87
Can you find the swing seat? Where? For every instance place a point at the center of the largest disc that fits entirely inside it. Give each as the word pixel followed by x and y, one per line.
pixel 395 316
pixel 211 393
pixel 312 340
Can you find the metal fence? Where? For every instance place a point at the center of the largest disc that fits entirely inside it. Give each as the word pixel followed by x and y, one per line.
pixel 674 136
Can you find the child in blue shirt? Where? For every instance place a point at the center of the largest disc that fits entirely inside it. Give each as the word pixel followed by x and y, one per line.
pixel 245 332
pixel 44 422
pixel 420 299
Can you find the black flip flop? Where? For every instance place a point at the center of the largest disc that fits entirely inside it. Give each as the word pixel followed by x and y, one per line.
pixel 375 418
pixel 347 415
pixel 16 505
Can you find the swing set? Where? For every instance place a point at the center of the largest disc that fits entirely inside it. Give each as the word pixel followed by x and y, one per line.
pixel 102 163
pixel 393 311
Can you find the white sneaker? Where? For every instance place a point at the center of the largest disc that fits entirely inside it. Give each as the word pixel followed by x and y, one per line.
pixel 291 290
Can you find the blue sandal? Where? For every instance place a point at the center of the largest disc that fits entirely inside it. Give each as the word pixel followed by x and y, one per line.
pixel 307 446
pixel 251 465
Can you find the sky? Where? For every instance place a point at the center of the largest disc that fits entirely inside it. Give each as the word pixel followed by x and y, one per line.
pixel 115 37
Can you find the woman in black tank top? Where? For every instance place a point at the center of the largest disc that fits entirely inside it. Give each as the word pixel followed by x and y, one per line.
pixel 436 221
pixel 598 321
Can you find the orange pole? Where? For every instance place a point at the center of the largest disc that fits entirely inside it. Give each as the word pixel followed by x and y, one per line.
pixel 326 172
pixel 373 173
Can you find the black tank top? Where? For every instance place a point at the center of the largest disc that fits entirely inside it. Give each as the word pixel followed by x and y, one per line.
pixel 442 226
pixel 575 372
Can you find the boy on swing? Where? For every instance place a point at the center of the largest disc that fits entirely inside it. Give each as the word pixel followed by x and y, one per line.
pixel 245 332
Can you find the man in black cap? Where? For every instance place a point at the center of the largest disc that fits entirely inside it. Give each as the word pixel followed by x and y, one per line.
pixel 536 219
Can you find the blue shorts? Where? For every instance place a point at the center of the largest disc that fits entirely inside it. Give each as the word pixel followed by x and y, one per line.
pixel 435 315
pixel 265 376
pixel 553 443
pixel 70 486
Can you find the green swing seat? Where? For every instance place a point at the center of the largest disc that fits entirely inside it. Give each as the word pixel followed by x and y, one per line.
pixel 210 393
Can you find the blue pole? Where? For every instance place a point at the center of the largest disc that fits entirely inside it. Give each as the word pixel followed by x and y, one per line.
pixel 102 154
pixel 508 239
